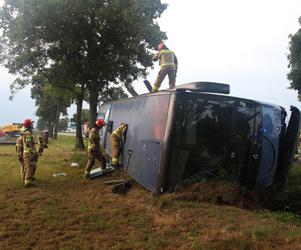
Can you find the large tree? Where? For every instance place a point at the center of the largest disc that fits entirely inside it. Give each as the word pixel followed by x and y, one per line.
pixel 32 47
pixel 121 34
pixel 294 59
pixel 84 117
pixel 88 44
pixel 67 76
pixel 51 102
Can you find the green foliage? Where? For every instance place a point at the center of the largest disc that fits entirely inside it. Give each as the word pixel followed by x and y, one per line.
pixel 294 59
pixel 82 46
pixel 288 199
pixel 63 124
pixel 84 116
pixel 259 232
pixel 51 102
pixel 282 216
pixel 112 93
pixel 41 124
pixel 85 42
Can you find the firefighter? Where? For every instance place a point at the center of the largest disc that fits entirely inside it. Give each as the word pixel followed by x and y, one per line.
pixel 168 66
pixel 117 139
pixel 19 150
pixel 95 150
pixel 27 154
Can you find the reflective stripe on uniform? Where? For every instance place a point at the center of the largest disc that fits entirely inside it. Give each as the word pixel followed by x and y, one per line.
pixel 167 64
pixel 119 132
pixel 115 133
pixel 165 51
pixel 28 182
pixel 167 58
pixel 94 139
pixel 28 144
pixel 155 89
pixel 115 160
pixel 19 146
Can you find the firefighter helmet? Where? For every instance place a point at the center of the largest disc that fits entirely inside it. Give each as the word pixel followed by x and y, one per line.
pixel 161 46
pixel 100 122
pixel 28 123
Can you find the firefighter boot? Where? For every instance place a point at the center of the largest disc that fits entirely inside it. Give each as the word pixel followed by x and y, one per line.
pixel 87 175
pixel 28 183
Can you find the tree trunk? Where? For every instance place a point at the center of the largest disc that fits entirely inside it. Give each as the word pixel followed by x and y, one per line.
pixel 50 128
pixel 93 102
pixel 79 143
pixel 56 122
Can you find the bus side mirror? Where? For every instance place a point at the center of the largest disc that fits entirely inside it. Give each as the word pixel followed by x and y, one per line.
pixel 110 127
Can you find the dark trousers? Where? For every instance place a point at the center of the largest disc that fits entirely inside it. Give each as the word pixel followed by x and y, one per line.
pixel 92 156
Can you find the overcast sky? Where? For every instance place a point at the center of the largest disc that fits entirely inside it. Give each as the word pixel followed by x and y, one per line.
pixel 242 43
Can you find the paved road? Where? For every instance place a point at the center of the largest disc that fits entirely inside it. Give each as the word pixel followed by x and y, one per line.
pixel 7 142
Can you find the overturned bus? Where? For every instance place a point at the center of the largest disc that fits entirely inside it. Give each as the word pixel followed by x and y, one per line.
pixel 196 131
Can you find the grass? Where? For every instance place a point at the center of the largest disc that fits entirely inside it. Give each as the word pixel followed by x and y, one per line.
pixel 68 212
pixel 289 199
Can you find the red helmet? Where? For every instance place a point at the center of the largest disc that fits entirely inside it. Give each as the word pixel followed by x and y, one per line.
pixel 100 122
pixel 28 123
pixel 161 46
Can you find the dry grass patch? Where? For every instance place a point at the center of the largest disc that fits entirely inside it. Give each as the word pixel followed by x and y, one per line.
pixel 68 212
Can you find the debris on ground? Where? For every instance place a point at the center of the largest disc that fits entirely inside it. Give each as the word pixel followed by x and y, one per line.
pixel 217 192
pixel 112 182
pixel 59 174
pixel 97 172
pixel 74 164
pixel 122 187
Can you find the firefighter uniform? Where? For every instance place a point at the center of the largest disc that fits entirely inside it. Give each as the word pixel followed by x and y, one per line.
pixel 95 151
pixel 117 139
pixel 19 150
pixel 41 144
pixel 168 66
pixel 27 155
